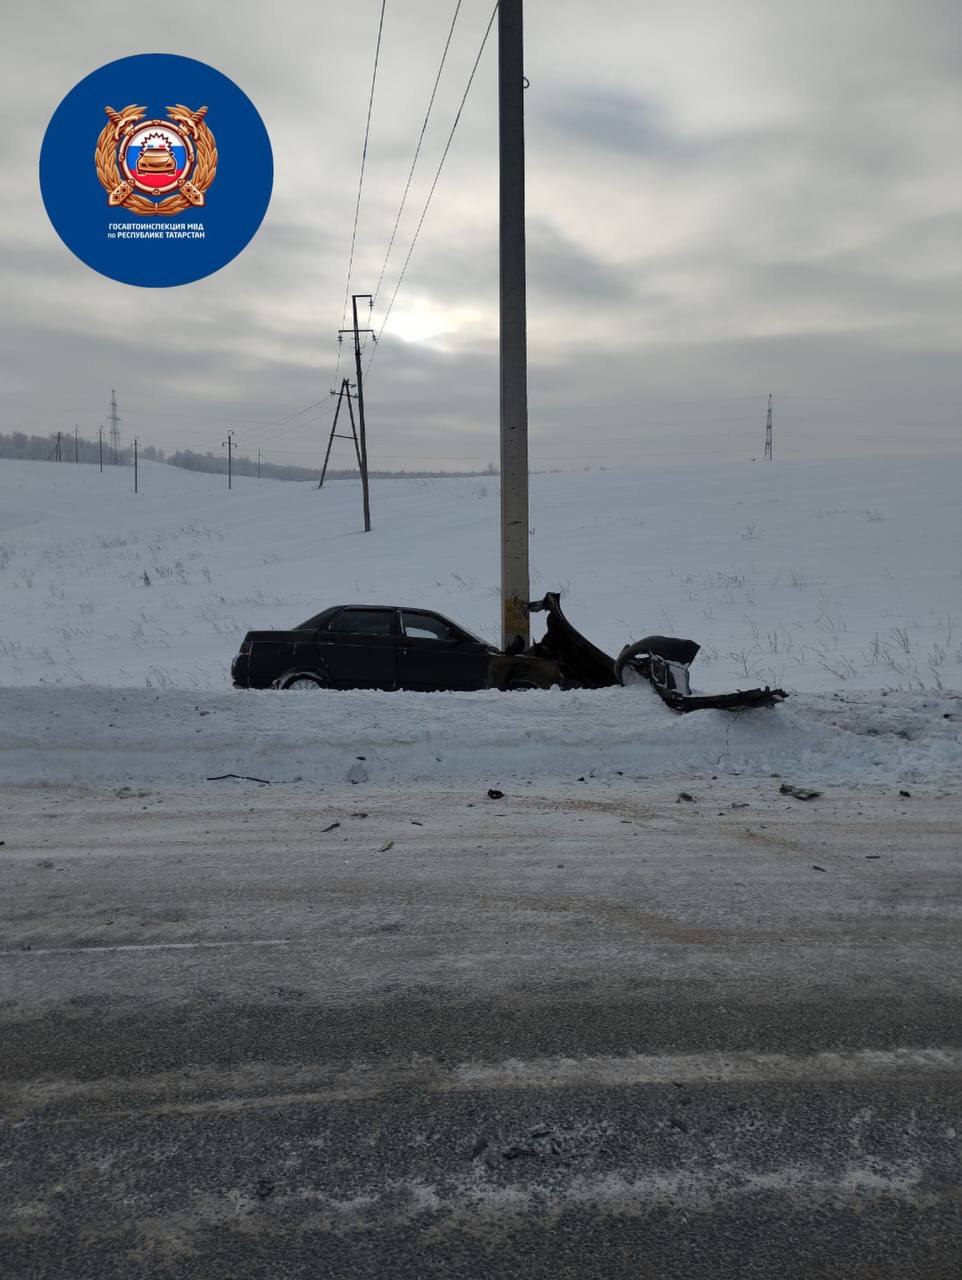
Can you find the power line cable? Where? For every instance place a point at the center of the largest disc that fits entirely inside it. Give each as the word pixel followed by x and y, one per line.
pixel 417 150
pixel 266 430
pixel 360 185
pixel 427 203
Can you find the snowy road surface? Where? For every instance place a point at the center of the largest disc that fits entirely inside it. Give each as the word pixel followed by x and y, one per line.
pixel 580 1030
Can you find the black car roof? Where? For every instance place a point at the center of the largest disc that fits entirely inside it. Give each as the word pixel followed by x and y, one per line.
pixel 404 608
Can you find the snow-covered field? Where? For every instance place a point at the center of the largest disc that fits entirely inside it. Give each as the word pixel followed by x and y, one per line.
pixel 807 575
pixel 840 582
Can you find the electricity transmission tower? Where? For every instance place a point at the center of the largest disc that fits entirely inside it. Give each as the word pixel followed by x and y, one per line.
pixel 768 432
pixel 342 395
pixel 56 453
pixel 114 429
pixel 362 450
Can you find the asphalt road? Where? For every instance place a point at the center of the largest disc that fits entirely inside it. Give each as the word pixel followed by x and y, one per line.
pixel 580 1033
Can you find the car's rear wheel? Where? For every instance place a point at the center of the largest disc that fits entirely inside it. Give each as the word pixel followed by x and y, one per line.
pixel 306 680
pixel 518 683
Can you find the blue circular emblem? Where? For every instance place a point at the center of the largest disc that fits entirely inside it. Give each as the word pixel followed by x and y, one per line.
pixel 156 170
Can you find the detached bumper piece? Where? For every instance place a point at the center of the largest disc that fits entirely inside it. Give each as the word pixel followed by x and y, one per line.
pixel 664 661
pixel 661 660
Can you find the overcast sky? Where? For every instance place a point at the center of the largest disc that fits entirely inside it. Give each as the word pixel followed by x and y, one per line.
pixel 723 200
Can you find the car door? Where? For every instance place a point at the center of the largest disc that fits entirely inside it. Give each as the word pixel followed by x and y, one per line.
pixel 434 654
pixel 359 648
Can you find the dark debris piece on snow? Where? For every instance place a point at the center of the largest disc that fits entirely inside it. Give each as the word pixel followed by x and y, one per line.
pixel 686 796
pixel 800 793
pixel 494 794
pixel 244 777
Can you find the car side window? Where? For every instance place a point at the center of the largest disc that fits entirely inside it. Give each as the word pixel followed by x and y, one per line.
pixel 364 622
pixel 422 626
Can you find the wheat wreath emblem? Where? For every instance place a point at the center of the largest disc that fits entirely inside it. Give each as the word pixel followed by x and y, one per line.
pixel 190 189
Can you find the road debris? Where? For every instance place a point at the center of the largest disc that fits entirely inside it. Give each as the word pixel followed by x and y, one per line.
pixel 244 777
pixel 800 793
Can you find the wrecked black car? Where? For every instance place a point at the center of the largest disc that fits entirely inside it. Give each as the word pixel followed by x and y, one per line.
pixel 383 647
pixel 392 647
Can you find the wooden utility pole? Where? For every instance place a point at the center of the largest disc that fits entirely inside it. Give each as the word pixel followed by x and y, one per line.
pixel 100 443
pixel 360 406
pixel 515 588
pixel 229 442
pixel 76 444
pixel 135 464
pixel 258 464
pixel 768 432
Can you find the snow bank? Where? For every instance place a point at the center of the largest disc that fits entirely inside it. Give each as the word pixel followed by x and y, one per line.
pixel 143 738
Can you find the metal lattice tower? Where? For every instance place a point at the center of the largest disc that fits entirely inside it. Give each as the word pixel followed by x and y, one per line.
pixel 768 432
pixel 114 429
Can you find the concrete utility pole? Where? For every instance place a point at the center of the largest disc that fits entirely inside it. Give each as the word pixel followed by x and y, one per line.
pixel 229 443
pixel 768 432
pixel 135 464
pixel 515 587
pixel 76 444
pixel 100 443
pixel 360 406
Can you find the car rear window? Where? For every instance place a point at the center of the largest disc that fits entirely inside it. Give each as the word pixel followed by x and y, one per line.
pixel 364 622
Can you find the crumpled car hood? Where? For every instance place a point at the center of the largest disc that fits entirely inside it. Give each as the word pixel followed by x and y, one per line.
pixel 662 660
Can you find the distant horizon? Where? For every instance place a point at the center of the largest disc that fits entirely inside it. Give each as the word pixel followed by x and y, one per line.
pixel 341 473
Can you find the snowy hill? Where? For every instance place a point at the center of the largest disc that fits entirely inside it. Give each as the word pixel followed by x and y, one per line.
pixel 808 575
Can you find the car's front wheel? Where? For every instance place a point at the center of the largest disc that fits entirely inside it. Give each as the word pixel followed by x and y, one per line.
pixel 518 683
